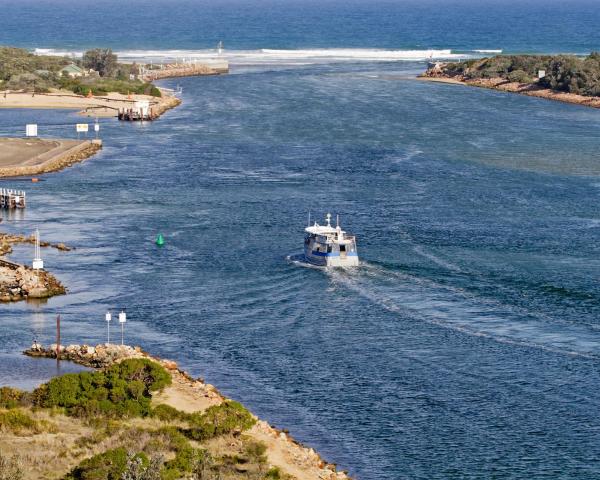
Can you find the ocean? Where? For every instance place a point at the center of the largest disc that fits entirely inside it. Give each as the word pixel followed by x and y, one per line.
pixel 467 345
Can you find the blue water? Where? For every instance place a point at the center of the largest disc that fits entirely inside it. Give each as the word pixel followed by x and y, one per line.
pixel 512 25
pixel 468 343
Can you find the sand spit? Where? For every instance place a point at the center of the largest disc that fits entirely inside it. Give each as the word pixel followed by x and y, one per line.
pixel 99 106
pixel 192 395
pixel 529 89
pixel 33 156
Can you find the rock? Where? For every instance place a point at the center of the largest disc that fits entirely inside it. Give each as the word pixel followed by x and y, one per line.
pixel 63 247
pixel 90 350
pixel 37 292
pixel 169 364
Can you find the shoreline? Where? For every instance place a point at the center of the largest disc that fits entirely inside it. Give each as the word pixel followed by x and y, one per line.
pixel 57 155
pixel 195 395
pixel 527 89
pixel 106 106
pixel 20 282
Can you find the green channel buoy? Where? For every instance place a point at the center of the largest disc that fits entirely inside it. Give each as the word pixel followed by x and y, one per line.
pixel 160 241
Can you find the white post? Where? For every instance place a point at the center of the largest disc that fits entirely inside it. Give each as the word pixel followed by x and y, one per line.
pixel 38 263
pixel 108 318
pixel 122 320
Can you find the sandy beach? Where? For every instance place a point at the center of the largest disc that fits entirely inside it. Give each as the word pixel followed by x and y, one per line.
pixel 97 106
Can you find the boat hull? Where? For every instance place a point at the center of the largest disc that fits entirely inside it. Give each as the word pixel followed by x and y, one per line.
pixel 349 259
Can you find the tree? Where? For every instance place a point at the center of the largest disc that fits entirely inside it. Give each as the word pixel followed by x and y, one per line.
pixel 103 60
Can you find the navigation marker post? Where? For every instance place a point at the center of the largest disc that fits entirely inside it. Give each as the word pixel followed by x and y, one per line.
pixel 38 263
pixel 108 318
pixel 81 127
pixel 31 130
pixel 57 338
pixel 96 128
pixel 122 320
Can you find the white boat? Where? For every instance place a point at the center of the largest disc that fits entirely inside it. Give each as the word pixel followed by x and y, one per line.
pixel 327 246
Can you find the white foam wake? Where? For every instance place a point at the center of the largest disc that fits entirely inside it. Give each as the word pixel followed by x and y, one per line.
pixel 268 56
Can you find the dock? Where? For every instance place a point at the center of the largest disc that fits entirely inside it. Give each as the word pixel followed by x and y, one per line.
pixel 136 114
pixel 10 199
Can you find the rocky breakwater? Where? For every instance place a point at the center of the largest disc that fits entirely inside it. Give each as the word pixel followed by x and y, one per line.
pixel 21 283
pixel 7 240
pixel 193 395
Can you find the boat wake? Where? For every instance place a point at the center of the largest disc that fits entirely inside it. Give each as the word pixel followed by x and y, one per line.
pixel 421 299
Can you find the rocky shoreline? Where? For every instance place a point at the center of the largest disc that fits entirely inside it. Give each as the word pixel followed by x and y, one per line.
pixel 55 163
pixel 189 394
pixel 436 74
pixel 19 282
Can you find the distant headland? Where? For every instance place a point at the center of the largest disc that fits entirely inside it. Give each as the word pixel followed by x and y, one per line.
pixel 565 78
pixel 97 83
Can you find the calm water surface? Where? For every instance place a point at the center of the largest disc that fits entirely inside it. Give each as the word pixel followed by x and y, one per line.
pixel 468 343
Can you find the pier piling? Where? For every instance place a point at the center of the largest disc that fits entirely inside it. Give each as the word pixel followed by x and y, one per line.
pixel 10 199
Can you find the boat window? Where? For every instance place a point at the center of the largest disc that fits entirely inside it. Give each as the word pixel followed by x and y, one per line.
pixel 342 248
pixel 328 248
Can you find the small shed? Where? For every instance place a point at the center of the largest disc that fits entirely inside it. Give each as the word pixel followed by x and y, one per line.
pixel 142 107
pixel 72 71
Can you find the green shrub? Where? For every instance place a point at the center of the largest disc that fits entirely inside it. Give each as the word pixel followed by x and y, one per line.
pixel 17 421
pixel 166 413
pixel 256 450
pixel 274 473
pixel 12 398
pixel 109 465
pixel 186 461
pixel 219 420
pixel 518 76
pixel 122 390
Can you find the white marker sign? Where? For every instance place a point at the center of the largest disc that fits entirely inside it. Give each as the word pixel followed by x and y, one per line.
pixel 96 127
pixel 31 130
pixel 82 127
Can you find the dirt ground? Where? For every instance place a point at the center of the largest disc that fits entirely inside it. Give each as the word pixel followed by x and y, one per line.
pixel 16 152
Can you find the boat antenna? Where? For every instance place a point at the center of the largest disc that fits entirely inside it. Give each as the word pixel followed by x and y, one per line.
pixel 337 221
pixel 309 218
pixel 328 218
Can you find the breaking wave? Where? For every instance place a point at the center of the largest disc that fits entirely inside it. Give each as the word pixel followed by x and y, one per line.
pixel 268 56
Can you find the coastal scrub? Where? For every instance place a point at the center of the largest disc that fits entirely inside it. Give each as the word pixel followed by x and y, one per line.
pixel 122 390
pixel 563 73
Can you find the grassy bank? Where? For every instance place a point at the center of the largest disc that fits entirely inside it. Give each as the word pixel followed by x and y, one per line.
pixel 109 425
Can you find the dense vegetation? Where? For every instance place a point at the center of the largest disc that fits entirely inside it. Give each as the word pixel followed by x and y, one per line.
pixel 21 70
pixel 142 441
pixel 122 390
pixel 566 73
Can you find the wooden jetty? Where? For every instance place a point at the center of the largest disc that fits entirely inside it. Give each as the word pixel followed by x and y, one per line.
pixel 10 199
pixel 136 114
